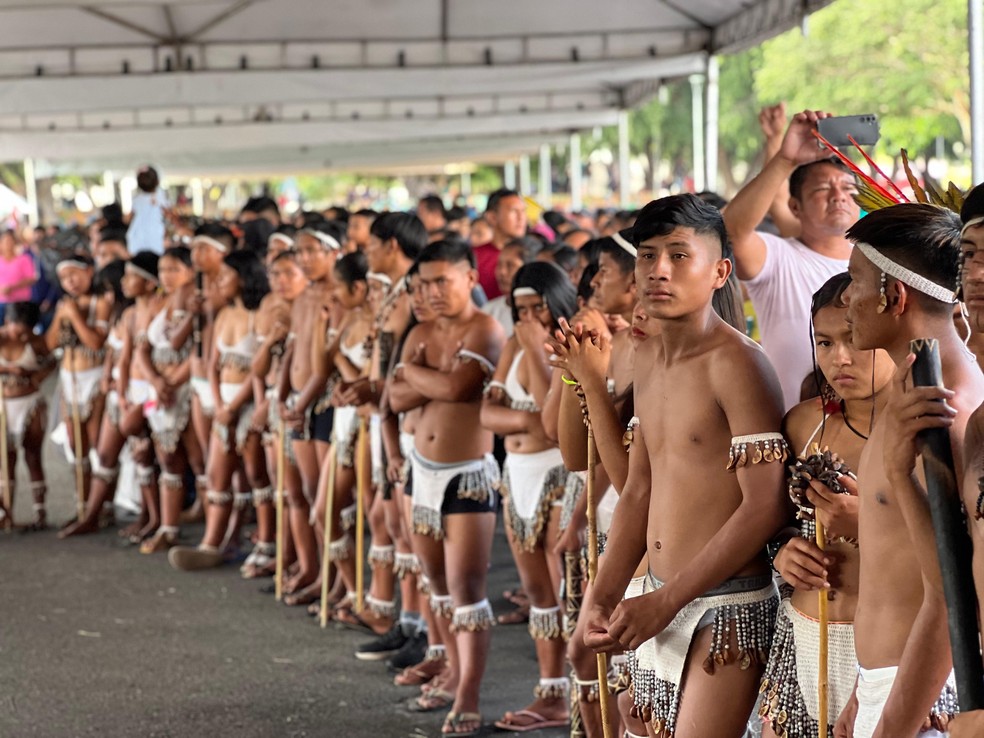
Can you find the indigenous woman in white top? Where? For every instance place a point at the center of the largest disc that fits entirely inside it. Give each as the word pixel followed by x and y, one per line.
pixel 241 285
pixel 79 327
pixel 534 477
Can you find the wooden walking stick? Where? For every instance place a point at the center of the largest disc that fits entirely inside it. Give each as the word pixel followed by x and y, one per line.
pixel 603 695
pixel 329 515
pixel 77 434
pixel 360 513
pixel 953 544
pixel 8 497
pixel 821 536
pixel 278 571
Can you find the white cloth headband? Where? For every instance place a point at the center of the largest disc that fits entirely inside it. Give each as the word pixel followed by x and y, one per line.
pixel 525 292
pixel 209 241
pixel 72 264
pixel 380 277
pixel 143 273
pixel 626 246
pixel 282 237
pixel 970 224
pixel 326 240
pixel 906 276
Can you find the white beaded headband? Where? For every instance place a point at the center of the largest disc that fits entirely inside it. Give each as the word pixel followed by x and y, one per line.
pixel 72 264
pixel 282 237
pixel 380 277
pixel 626 246
pixel 906 276
pixel 326 239
pixel 970 224
pixel 142 273
pixel 209 241
pixel 525 292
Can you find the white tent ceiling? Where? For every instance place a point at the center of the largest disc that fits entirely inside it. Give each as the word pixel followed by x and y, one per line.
pixel 222 85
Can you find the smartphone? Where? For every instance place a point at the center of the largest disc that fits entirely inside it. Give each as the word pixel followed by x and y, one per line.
pixel 862 128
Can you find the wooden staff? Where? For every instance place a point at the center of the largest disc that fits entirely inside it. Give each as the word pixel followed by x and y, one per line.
pixel 821 536
pixel 77 433
pixel 953 545
pixel 603 695
pixel 8 497
pixel 360 513
pixel 329 514
pixel 278 575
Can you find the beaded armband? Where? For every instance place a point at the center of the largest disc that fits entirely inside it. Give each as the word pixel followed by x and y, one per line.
pixel 757 448
pixel 488 388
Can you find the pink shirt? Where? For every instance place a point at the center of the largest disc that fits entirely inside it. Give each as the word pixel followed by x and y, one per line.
pixel 16 270
pixel 486 257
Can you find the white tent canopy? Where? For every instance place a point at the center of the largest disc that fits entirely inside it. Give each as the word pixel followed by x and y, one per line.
pixel 221 85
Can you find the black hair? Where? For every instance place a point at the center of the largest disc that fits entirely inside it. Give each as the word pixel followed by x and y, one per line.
pixel 973 206
pixel 660 218
pixel 713 199
pixel 798 178
pixel 451 250
pixel 352 268
pixel 830 294
pixel 498 196
pixel 339 213
pixel 116 232
pixel 552 284
pixel 214 229
pixel 727 302
pixel 626 262
pixel 80 256
pixel 256 235
pixel 147 261
pixel 455 212
pixel 286 255
pixel 584 289
pixel 308 217
pixel 367 213
pixel 147 179
pixel 575 231
pixel 253 282
pixel 555 220
pixel 261 204
pixel 113 215
pixel 433 204
pixel 527 247
pixel 591 250
pixel 109 279
pixel 25 313
pixel 180 254
pixel 406 228
pixel 564 256
pixel 923 238
pixel 334 228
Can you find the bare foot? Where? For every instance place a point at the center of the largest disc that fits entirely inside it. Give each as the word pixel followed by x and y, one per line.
pixel 159 542
pixel 79 528
pixel 132 529
pixel 419 674
pixel 302 589
pixel 148 530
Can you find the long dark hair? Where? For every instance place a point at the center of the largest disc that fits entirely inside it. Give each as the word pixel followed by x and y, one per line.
pixel 253 282
pixel 549 280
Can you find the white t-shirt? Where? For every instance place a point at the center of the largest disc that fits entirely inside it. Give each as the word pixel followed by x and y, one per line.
pixel 499 310
pixel 146 231
pixel 781 294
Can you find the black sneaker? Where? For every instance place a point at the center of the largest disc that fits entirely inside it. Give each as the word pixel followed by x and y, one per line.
pixel 385 645
pixel 413 652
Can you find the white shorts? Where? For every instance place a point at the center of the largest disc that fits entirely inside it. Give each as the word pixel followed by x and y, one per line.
pixel 874 687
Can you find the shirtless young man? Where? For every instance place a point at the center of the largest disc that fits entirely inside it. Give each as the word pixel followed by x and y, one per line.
pixel 702 628
pixel 445 366
pixel 302 394
pixel 904 272
pixel 971 724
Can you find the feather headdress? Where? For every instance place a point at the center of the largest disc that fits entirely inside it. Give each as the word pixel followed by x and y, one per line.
pixel 874 196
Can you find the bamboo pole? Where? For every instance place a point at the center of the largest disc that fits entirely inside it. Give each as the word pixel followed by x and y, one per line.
pixel 822 676
pixel 329 515
pixel 8 497
pixel 77 433
pixel 602 658
pixel 278 576
pixel 360 513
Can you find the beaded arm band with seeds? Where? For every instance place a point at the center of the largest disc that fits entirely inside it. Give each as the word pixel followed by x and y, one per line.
pixel 756 448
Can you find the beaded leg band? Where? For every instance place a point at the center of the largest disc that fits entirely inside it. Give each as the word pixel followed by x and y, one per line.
pixel 382 608
pixel 587 689
pixel 406 564
pixel 105 473
pixel 340 549
pixel 473 618
pixel 552 689
pixel 218 497
pixel 242 500
pixel 380 556
pixel 172 481
pixel 544 623
pixel 262 495
pixel 145 475
pixel 441 606
pixel 436 652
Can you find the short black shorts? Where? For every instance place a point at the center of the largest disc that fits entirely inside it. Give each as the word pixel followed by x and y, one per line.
pixel 453 504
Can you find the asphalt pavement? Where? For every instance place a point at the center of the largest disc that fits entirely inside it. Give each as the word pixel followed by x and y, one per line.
pixel 99 640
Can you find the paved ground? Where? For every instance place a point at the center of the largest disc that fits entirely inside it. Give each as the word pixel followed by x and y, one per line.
pixel 97 640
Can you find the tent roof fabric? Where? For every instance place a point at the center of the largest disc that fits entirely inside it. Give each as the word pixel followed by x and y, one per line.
pixel 223 83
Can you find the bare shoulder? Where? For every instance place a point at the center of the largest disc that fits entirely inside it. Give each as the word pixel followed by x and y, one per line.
pixel 801 421
pixel 736 360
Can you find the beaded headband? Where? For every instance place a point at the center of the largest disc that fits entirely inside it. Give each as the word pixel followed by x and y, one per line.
pixel 970 224
pixel 209 241
pixel 624 244
pixel 525 292
pixel 326 239
pixel 380 277
pixel 142 273
pixel 72 264
pixel 282 237
pixel 906 276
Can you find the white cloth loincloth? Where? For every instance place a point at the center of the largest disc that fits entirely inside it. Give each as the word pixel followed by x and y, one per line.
pixel 874 687
pixel 430 483
pixel 86 382
pixel 203 390
pixel 168 423
pixel 532 482
pixel 244 420
pixel 20 412
pixel 344 433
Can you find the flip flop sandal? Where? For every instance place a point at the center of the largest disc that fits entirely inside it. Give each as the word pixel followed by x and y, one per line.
pixel 436 699
pixel 342 614
pixel 416 675
pixel 455 719
pixel 538 722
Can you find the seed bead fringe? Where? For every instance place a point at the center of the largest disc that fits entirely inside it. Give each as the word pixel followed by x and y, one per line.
pixel 380 556
pixel 528 533
pixel 441 606
pixel 782 705
pixel 544 623
pixel 472 618
pixel 340 549
pixel 381 608
pixel 406 564
pixel 552 689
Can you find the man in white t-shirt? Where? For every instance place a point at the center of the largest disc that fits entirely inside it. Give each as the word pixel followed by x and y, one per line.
pixel 781 274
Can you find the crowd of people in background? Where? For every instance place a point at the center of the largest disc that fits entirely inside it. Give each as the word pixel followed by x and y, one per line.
pixel 447 370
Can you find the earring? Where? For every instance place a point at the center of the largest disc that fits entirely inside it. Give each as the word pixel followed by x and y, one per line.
pixel 883 298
